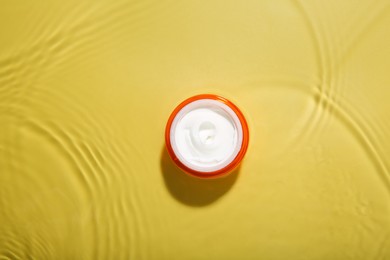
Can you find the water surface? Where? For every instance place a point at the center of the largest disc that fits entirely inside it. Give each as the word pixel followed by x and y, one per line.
pixel 86 88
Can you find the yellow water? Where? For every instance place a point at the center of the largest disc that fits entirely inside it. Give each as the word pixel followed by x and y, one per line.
pixel 86 88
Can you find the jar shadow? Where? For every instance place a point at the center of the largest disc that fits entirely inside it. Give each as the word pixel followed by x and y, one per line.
pixel 190 190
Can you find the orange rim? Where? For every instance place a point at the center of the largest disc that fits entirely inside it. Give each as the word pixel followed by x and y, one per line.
pixel 236 161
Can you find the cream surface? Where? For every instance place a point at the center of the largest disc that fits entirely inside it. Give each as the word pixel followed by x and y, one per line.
pixel 206 135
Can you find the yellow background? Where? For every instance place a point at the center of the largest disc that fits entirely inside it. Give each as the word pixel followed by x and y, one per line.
pixel 86 88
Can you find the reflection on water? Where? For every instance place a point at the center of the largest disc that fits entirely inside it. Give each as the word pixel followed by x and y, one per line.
pixel 85 92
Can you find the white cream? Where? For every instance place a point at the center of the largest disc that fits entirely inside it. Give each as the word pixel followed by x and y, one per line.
pixel 206 135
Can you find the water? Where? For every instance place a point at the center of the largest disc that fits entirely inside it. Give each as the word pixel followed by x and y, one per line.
pixel 85 92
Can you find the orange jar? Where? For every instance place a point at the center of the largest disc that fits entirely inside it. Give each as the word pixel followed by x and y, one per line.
pixel 207 136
